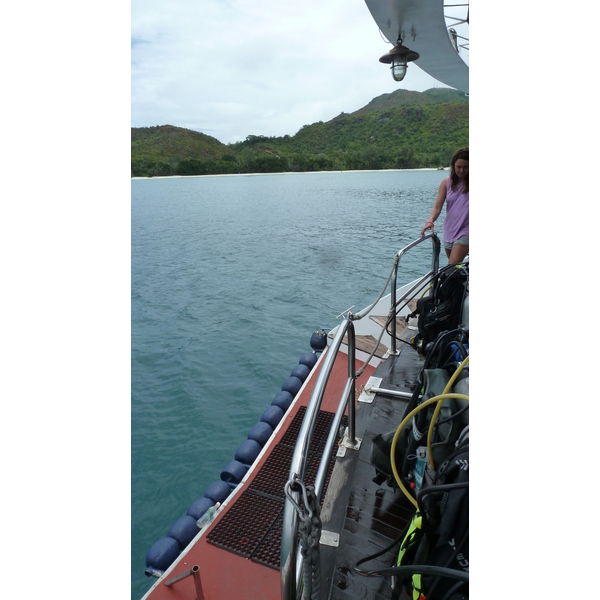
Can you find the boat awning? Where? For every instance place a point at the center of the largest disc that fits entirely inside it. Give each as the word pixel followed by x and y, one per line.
pixel 423 29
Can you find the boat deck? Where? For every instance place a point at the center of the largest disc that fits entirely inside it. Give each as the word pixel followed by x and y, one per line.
pixel 239 554
pixel 375 515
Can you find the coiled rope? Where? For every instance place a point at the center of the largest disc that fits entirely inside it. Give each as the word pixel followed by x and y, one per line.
pixel 310 535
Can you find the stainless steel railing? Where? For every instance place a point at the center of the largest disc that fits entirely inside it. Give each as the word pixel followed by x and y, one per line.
pixel 291 562
pixel 435 265
pixel 290 566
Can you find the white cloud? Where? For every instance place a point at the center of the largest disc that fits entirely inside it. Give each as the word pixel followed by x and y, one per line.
pixel 235 68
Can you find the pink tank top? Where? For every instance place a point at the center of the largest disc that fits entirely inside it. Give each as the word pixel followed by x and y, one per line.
pixel 456 223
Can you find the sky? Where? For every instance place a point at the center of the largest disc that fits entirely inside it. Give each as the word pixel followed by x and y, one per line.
pixel 233 68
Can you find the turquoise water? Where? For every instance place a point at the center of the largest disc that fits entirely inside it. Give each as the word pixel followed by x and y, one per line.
pixel 229 278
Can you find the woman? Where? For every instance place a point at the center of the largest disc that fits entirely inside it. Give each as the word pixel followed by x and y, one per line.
pixel 455 190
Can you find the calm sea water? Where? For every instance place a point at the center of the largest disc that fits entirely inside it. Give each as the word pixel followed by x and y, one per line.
pixel 229 278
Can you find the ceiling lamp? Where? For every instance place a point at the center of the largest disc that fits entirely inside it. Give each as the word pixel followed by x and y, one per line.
pixel 399 57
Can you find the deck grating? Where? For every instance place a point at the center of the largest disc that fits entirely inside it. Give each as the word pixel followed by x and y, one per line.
pixel 252 526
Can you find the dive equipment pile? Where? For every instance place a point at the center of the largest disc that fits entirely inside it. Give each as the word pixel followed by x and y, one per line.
pixel 427 456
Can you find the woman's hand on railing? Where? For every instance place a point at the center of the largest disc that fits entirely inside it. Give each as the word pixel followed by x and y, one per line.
pixel 428 225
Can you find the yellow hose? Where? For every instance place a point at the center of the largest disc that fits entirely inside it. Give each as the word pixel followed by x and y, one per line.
pixel 406 419
pixel 436 412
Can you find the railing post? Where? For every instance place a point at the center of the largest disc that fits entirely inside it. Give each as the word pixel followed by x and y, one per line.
pixel 352 378
pixel 393 304
pixel 193 572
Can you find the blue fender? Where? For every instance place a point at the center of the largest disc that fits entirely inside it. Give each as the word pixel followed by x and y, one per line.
pixel 261 431
pixel 199 507
pixel 318 340
pixel 233 472
pixel 309 359
pixel 217 491
pixel 272 416
pixel 184 530
pixel 283 400
pixel 301 372
pixel 292 385
pixel 161 555
pixel 247 452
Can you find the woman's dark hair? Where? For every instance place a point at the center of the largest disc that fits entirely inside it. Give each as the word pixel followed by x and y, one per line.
pixel 464 154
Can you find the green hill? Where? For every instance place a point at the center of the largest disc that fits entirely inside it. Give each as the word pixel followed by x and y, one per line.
pixel 403 129
pixel 165 149
pixel 401 98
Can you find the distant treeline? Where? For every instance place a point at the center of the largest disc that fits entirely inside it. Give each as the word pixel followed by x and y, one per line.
pixel 402 130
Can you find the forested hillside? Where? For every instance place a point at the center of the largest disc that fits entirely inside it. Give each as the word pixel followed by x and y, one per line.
pixel 403 129
pixel 168 150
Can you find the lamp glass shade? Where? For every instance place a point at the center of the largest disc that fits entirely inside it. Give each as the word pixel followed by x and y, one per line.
pixel 398 67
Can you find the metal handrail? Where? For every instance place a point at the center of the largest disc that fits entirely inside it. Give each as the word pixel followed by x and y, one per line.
pixel 291 561
pixel 435 265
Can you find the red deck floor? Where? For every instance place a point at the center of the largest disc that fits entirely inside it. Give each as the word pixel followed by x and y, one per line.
pixel 229 576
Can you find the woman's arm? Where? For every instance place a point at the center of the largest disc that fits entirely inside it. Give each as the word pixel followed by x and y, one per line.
pixel 437 207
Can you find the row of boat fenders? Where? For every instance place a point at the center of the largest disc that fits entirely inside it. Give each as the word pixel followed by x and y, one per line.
pixel 164 552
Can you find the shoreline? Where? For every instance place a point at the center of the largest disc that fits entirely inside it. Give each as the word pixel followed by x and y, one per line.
pixel 286 173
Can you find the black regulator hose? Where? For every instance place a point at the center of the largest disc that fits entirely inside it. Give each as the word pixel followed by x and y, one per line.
pixel 381 552
pixel 451 417
pixel 440 489
pixel 420 570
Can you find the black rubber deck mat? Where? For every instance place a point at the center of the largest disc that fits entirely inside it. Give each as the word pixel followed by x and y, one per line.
pixel 252 526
